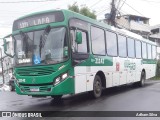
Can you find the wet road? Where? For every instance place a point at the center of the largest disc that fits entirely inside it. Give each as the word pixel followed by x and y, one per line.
pixel 126 98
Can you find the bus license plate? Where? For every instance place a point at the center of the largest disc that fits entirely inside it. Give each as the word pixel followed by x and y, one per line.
pixel 34 89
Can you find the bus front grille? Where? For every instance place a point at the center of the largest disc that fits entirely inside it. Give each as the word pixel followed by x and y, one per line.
pixel 40 89
pixel 35 71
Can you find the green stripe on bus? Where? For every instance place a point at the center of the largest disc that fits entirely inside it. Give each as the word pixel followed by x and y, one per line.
pixel 147 61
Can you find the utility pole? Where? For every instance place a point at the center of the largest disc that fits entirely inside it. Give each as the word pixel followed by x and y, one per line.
pixel 113 14
pixel 2 65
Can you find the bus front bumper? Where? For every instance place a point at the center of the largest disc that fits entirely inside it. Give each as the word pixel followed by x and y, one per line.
pixel 65 87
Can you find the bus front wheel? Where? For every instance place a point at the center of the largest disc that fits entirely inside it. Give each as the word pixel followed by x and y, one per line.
pixel 57 97
pixel 97 87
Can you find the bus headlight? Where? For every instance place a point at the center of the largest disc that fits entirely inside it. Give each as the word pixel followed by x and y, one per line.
pixel 64 76
pixel 60 78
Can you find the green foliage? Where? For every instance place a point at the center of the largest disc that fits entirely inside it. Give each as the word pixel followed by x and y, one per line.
pixel 84 11
pixel 74 8
pixel 155 78
pixel 158 69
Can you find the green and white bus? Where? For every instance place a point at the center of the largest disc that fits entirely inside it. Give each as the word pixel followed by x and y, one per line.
pixel 60 52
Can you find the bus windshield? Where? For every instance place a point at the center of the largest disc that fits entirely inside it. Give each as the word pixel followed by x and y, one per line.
pixel 41 47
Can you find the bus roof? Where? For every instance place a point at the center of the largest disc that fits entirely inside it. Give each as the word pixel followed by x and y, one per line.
pixel 95 22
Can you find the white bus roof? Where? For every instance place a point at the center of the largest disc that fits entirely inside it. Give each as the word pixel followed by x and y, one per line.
pixel 133 35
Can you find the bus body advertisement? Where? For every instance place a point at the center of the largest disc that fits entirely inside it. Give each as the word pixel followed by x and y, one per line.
pixel 61 52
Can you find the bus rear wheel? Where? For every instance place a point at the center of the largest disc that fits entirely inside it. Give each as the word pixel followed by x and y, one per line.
pixel 141 83
pixel 97 87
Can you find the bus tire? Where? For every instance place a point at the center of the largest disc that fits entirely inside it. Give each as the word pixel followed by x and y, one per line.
pixel 11 88
pixel 97 87
pixel 141 83
pixel 57 97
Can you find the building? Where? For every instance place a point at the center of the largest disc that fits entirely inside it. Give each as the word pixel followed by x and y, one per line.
pixel 134 23
pixel 155 36
pixel 139 25
pixel 7 62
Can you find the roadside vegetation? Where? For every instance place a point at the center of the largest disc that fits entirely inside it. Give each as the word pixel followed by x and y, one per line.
pixel 84 10
pixel 157 77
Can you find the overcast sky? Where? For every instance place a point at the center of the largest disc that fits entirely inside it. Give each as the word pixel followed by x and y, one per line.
pixel 11 11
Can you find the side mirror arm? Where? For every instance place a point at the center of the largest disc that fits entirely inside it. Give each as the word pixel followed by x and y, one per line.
pixel 5 49
pixel 12 56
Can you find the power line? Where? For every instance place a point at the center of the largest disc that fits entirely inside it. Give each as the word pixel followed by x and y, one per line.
pixel 102 11
pixel 150 1
pixel 29 1
pixel 133 9
pixel 118 4
pixel 123 12
pixel 95 4
pixel 100 8
pixel 122 4
pixel 24 12
pixel 6 26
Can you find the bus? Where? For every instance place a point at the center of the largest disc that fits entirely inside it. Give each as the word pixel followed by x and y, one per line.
pixel 59 52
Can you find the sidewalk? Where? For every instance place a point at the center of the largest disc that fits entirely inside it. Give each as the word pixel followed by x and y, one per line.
pixel 4 87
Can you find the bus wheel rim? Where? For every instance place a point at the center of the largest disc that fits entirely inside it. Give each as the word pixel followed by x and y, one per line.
pixel 97 87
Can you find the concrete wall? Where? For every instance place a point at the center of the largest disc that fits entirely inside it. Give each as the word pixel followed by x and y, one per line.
pixel 139 26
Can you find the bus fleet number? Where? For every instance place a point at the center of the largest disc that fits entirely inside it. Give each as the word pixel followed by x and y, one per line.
pixel 99 61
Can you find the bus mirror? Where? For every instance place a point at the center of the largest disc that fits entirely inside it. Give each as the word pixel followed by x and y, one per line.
pixel 5 44
pixel 78 37
pixel 48 29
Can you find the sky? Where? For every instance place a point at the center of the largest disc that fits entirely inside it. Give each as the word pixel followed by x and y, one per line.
pixel 13 9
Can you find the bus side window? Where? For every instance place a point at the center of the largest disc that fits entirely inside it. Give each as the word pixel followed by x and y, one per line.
pixel 122 46
pixel 154 52
pixel 144 50
pixel 131 47
pixel 111 43
pixel 138 49
pixel 149 51
pixel 98 41
pixel 72 37
pixel 81 48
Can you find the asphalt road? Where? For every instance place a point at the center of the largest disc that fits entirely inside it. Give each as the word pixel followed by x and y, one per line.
pixel 126 98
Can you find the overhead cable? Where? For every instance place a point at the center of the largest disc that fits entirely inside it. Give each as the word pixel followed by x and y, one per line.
pixel 29 1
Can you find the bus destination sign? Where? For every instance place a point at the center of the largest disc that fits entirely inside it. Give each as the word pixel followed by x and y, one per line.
pixel 38 19
pixel 35 21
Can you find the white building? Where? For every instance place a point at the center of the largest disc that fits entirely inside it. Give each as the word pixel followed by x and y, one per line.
pixel 137 24
pixel 6 61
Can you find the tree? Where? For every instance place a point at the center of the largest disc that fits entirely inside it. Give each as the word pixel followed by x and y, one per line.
pixel 84 11
pixel 74 7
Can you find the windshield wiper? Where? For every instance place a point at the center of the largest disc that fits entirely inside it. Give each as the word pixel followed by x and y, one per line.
pixel 25 38
pixel 43 38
